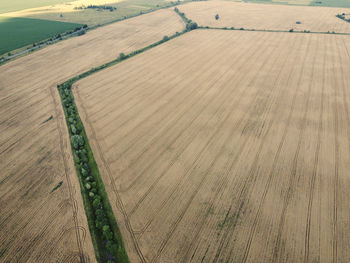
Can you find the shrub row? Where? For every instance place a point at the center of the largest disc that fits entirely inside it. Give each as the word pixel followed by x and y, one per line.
pixel 103 229
pixel 190 25
pixel 97 7
pixel 343 17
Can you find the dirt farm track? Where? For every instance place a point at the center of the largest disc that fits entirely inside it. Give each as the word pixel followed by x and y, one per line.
pixel 227 146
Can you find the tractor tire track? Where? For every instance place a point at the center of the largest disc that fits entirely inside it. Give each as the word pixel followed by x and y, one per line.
pixel 274 165
pixel 234 160
pixel 203 179
pixel 315 168
pixel 119 202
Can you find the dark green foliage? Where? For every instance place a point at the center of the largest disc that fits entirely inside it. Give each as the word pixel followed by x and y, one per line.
pixel 291 30
pixel 107 241
pixel 97 201
pixel 97 7
pixel 217 17
pixel 191 26
pixel 84 172
pixel 73 129
pixel 342 16
pixel 94 195
pixel 81 32
pixel 76 158
pixel 122 56
pixel 77 141
pixel 57 186
pixel 48 119
pixel 87 186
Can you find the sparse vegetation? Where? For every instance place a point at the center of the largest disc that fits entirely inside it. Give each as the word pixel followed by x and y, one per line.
pixel 217 17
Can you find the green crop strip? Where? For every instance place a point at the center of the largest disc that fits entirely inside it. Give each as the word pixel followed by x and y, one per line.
pixel 105 234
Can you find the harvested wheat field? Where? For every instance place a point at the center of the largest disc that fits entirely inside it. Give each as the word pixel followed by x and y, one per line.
pixel 265 16
pixel 227 146
pixel 42 214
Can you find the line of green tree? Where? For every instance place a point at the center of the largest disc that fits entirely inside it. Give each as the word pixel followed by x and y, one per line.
pixel 343 17
pixel 190 25
pixel 106 236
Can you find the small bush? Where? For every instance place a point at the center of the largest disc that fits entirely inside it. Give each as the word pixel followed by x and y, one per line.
pixel 291 30
pixel 122 56
pixel 77 141
pixel 110 246
pixel 73 129
pixel 97 202
pixel 191 26
pixel 217 17
pixel 81 32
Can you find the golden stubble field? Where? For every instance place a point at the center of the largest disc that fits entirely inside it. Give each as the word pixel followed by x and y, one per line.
pixel 266 16
pixel 227 146
pixel 38 224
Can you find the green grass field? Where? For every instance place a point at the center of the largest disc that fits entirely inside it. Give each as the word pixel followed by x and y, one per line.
pixel 16 5
pixel 19 32
pixel 93 17
pixel 331 3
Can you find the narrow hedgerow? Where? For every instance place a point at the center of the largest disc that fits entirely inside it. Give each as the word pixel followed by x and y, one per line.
pixel 190 25
pixel 104 231
pixel 105 234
